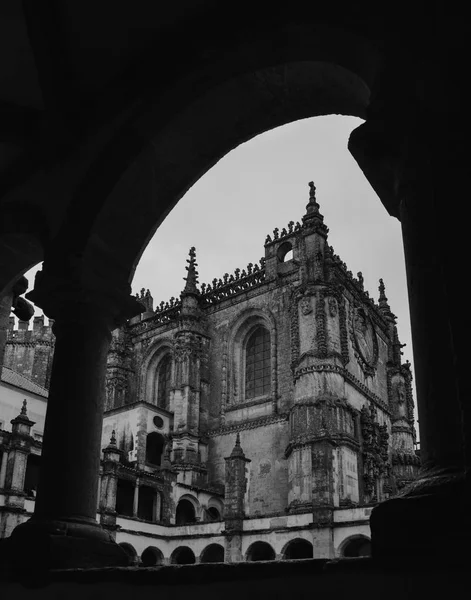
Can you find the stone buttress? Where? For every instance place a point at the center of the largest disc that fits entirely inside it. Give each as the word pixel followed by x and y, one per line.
pixel 191 352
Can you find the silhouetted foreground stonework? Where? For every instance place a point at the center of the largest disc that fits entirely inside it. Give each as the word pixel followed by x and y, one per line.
pixel 300 579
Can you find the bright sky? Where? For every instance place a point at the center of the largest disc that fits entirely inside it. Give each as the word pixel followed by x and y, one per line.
pixel 263 184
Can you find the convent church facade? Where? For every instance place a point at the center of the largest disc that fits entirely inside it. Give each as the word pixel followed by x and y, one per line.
pixel 259 417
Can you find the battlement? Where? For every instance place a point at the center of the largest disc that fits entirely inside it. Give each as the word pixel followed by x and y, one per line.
pixel 23 334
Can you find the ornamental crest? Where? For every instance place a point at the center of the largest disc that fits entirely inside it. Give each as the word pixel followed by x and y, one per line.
pixel 364 337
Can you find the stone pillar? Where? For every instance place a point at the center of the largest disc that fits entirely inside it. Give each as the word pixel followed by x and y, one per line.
pixel 109 484
pixel 234 502
pixel 135 504
pixel 63 530
pixel 413 155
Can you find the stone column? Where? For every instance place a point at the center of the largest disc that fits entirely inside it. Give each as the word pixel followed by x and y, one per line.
pixel 413 156
pixel 109 484
pixel 135 504
pixel 63 530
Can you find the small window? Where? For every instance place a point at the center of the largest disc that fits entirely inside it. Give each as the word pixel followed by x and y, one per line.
pixel 258 364
pixel 158 422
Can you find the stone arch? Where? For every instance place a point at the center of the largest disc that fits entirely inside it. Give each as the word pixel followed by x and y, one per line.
pixel 240 331
pixel 182 556
pixel 130 551
pixel 152 557
pixel 297 548
pixel 187 510
pixel 234 109
pixel 149 369
pixel 285 252
pixel 212 554
pixel 260 551
pixel 215 509
pixel 355 545
pixel 155 447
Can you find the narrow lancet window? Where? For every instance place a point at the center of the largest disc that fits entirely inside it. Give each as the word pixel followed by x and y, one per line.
pixel 257 364
pixel 163 381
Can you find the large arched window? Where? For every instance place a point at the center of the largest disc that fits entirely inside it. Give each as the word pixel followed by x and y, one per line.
pixel 163 381
pixel 257 364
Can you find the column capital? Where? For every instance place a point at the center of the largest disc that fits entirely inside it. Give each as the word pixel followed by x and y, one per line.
pixel 64 298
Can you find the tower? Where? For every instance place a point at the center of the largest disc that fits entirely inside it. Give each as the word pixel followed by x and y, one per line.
pixel 191 347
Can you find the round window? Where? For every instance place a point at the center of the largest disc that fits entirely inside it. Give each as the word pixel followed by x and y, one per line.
pixel 158 422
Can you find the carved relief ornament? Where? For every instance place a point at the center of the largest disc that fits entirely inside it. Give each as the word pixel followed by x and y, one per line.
pixel 364 340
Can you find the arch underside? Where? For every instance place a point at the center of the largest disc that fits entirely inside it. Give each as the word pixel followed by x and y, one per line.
pixel 133 181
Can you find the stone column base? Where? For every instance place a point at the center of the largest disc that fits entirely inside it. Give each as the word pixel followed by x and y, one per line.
pixel 63 544
pixel 429 519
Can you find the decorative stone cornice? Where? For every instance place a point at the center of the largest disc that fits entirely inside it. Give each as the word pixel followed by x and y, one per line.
pixel 232 285
pixel 254 424
pixel 334 439
pixel 356 383
pixel 284 234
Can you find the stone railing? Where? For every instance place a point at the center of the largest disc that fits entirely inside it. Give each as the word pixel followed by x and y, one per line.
pixel 231 285
pixel 279 235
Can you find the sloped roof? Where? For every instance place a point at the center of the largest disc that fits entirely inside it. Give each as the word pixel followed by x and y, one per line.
pixel 20 381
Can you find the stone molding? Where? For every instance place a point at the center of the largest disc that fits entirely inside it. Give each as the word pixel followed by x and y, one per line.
pixel 253 424
pixel 356 383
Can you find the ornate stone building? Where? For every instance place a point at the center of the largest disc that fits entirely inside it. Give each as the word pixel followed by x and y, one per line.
pixel 261 416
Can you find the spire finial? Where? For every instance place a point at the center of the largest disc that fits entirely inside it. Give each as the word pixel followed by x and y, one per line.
pixel 113 438
pixel 383 301
pixel 192 277
pixel 237 450
pixel 313 218
pixel 23 408
pixel 313 205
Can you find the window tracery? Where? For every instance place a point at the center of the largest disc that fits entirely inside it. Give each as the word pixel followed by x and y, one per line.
pixel 257 364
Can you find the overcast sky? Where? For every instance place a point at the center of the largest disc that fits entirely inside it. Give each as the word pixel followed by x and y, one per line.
pixel 263 184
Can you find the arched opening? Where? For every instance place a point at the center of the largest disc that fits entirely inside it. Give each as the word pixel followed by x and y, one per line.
pixel 164 372
pixel 285 252
pixel 299 548
pixel 355 547
pixel 125 498
pixel 185 513
pixel 152 557
pixel 260 551
pixel 155 444
pixel 183 556
pixel 32 474
pixel 213 514
pixel 258 363
pixel 146 503
pixel 214 553
pixel 130 551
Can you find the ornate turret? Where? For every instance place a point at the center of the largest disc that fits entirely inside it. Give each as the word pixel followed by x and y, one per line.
pixel 384 304
pixel 191 381
pixel 190 295
pixel 234 499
